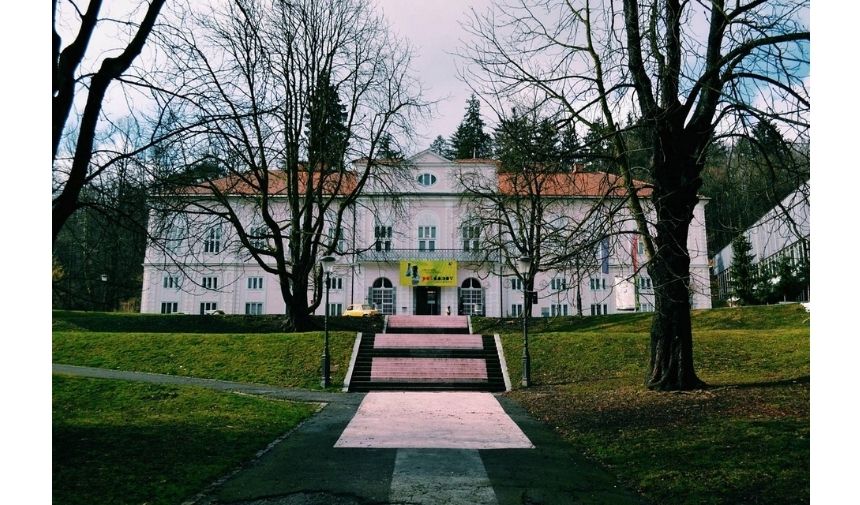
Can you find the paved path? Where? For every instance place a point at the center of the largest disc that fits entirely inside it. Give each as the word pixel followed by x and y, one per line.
pixel 387 466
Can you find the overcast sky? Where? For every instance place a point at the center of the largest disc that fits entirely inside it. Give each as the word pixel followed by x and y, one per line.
pixel 433 28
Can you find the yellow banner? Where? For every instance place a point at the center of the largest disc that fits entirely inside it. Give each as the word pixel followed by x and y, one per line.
pixel 428 273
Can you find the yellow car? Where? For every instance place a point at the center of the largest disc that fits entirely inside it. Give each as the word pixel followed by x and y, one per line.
pixel 360 310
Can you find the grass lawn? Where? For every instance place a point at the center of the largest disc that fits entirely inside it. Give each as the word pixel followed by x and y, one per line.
pixel 744 440
pixel 281 359
pixel 130 443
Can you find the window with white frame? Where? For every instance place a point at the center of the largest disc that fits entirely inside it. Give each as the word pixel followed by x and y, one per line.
pixel 212 240
pixel 558 309
pixel 210 282
pixel 335 309
pixel 253 308
pixel 255 283
pixel 336 283
pixel 516 309
pixel 207 306
pixel 175 235
pixel 558 283
pixel 171 282
pixel 426 238
pixel 258 237
pixel 471 238
pixel 426 179
pixel 169 307
pixel 644 283
pixel 382 237
pixel 516 284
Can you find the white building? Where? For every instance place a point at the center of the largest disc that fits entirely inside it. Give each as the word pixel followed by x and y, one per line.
pixel 419 258
pixel 782 232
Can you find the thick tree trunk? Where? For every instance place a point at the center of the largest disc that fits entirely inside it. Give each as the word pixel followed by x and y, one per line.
pixel 674 197
pixel 297 309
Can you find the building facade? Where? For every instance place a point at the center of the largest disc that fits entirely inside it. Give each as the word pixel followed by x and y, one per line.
pixel 783 232
pixel 417 249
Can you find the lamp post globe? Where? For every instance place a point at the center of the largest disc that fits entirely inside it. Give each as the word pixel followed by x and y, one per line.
pixel 525 264
pixel 328 266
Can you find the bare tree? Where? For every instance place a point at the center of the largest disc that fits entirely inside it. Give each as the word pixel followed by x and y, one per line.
pixel 73 168
pixel 689 70
pixel 295 98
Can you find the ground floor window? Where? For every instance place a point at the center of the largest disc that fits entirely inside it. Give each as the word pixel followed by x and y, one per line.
pixel 558 309
pixel 516 309
pixel 595 309
pixel 253 308
pixel 383 295
pixel 207 306
pixel 169 307
pixel 470 297
pixel 335 309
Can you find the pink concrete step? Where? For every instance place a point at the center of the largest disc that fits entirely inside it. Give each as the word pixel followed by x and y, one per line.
pixel 428 369
pixel 428 322
pixel 429 341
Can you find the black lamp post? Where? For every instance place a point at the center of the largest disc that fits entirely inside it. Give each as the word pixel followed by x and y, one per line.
pixel 525 266
pixel 104 279
pixel 328 265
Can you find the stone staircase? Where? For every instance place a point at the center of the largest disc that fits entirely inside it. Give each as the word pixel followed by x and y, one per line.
pixel 427 353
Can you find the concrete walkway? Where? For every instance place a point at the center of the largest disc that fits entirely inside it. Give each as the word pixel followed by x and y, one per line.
pixel 329 460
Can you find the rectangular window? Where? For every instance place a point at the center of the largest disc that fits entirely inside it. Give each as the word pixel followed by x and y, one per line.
pixel 171 282
pixel 516 309
pixel 382 237
pixel 558 309
pixel 604 283
pixel 210 283
pixel 259 237
pixel 517 284
pixel 558 284
pixel 426 238
pixel 641 247
pixel 336 283
pixel 169 307
pixel 471 238
pixel 254 308
pixel 605 310
pixel 212 240
pixel 255 283
pixel 335 309
pixel 544 312
pixel 207 306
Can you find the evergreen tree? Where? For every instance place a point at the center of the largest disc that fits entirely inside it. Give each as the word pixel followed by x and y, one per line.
pixel 470 140
pixel 597 149
pixel 570 147
pixel 525 142
pixel 744 277
pixel 326 125
pixel 439 146
pixel 388 149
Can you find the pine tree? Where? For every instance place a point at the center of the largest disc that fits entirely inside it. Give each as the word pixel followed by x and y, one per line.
pixel 326 125
pixel 470 140
pixel 388 149
pixel 744 277
pixel 439 146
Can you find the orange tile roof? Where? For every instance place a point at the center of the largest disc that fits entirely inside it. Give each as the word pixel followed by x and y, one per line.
pixel 248 184
pixel 590 184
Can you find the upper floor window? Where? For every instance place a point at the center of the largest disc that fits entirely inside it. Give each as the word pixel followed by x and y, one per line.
pixel 258 237
pixel 558 283
pixel 255 283
pixel 517 283
pixel 426 179
pixel 382 236
pixel 171 282
pixel 426 238
pixel 210 282
pixel 212 240
pixel 471 238
pixel 336 283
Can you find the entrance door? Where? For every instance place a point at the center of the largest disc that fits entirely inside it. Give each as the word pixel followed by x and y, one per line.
pixel 428 300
